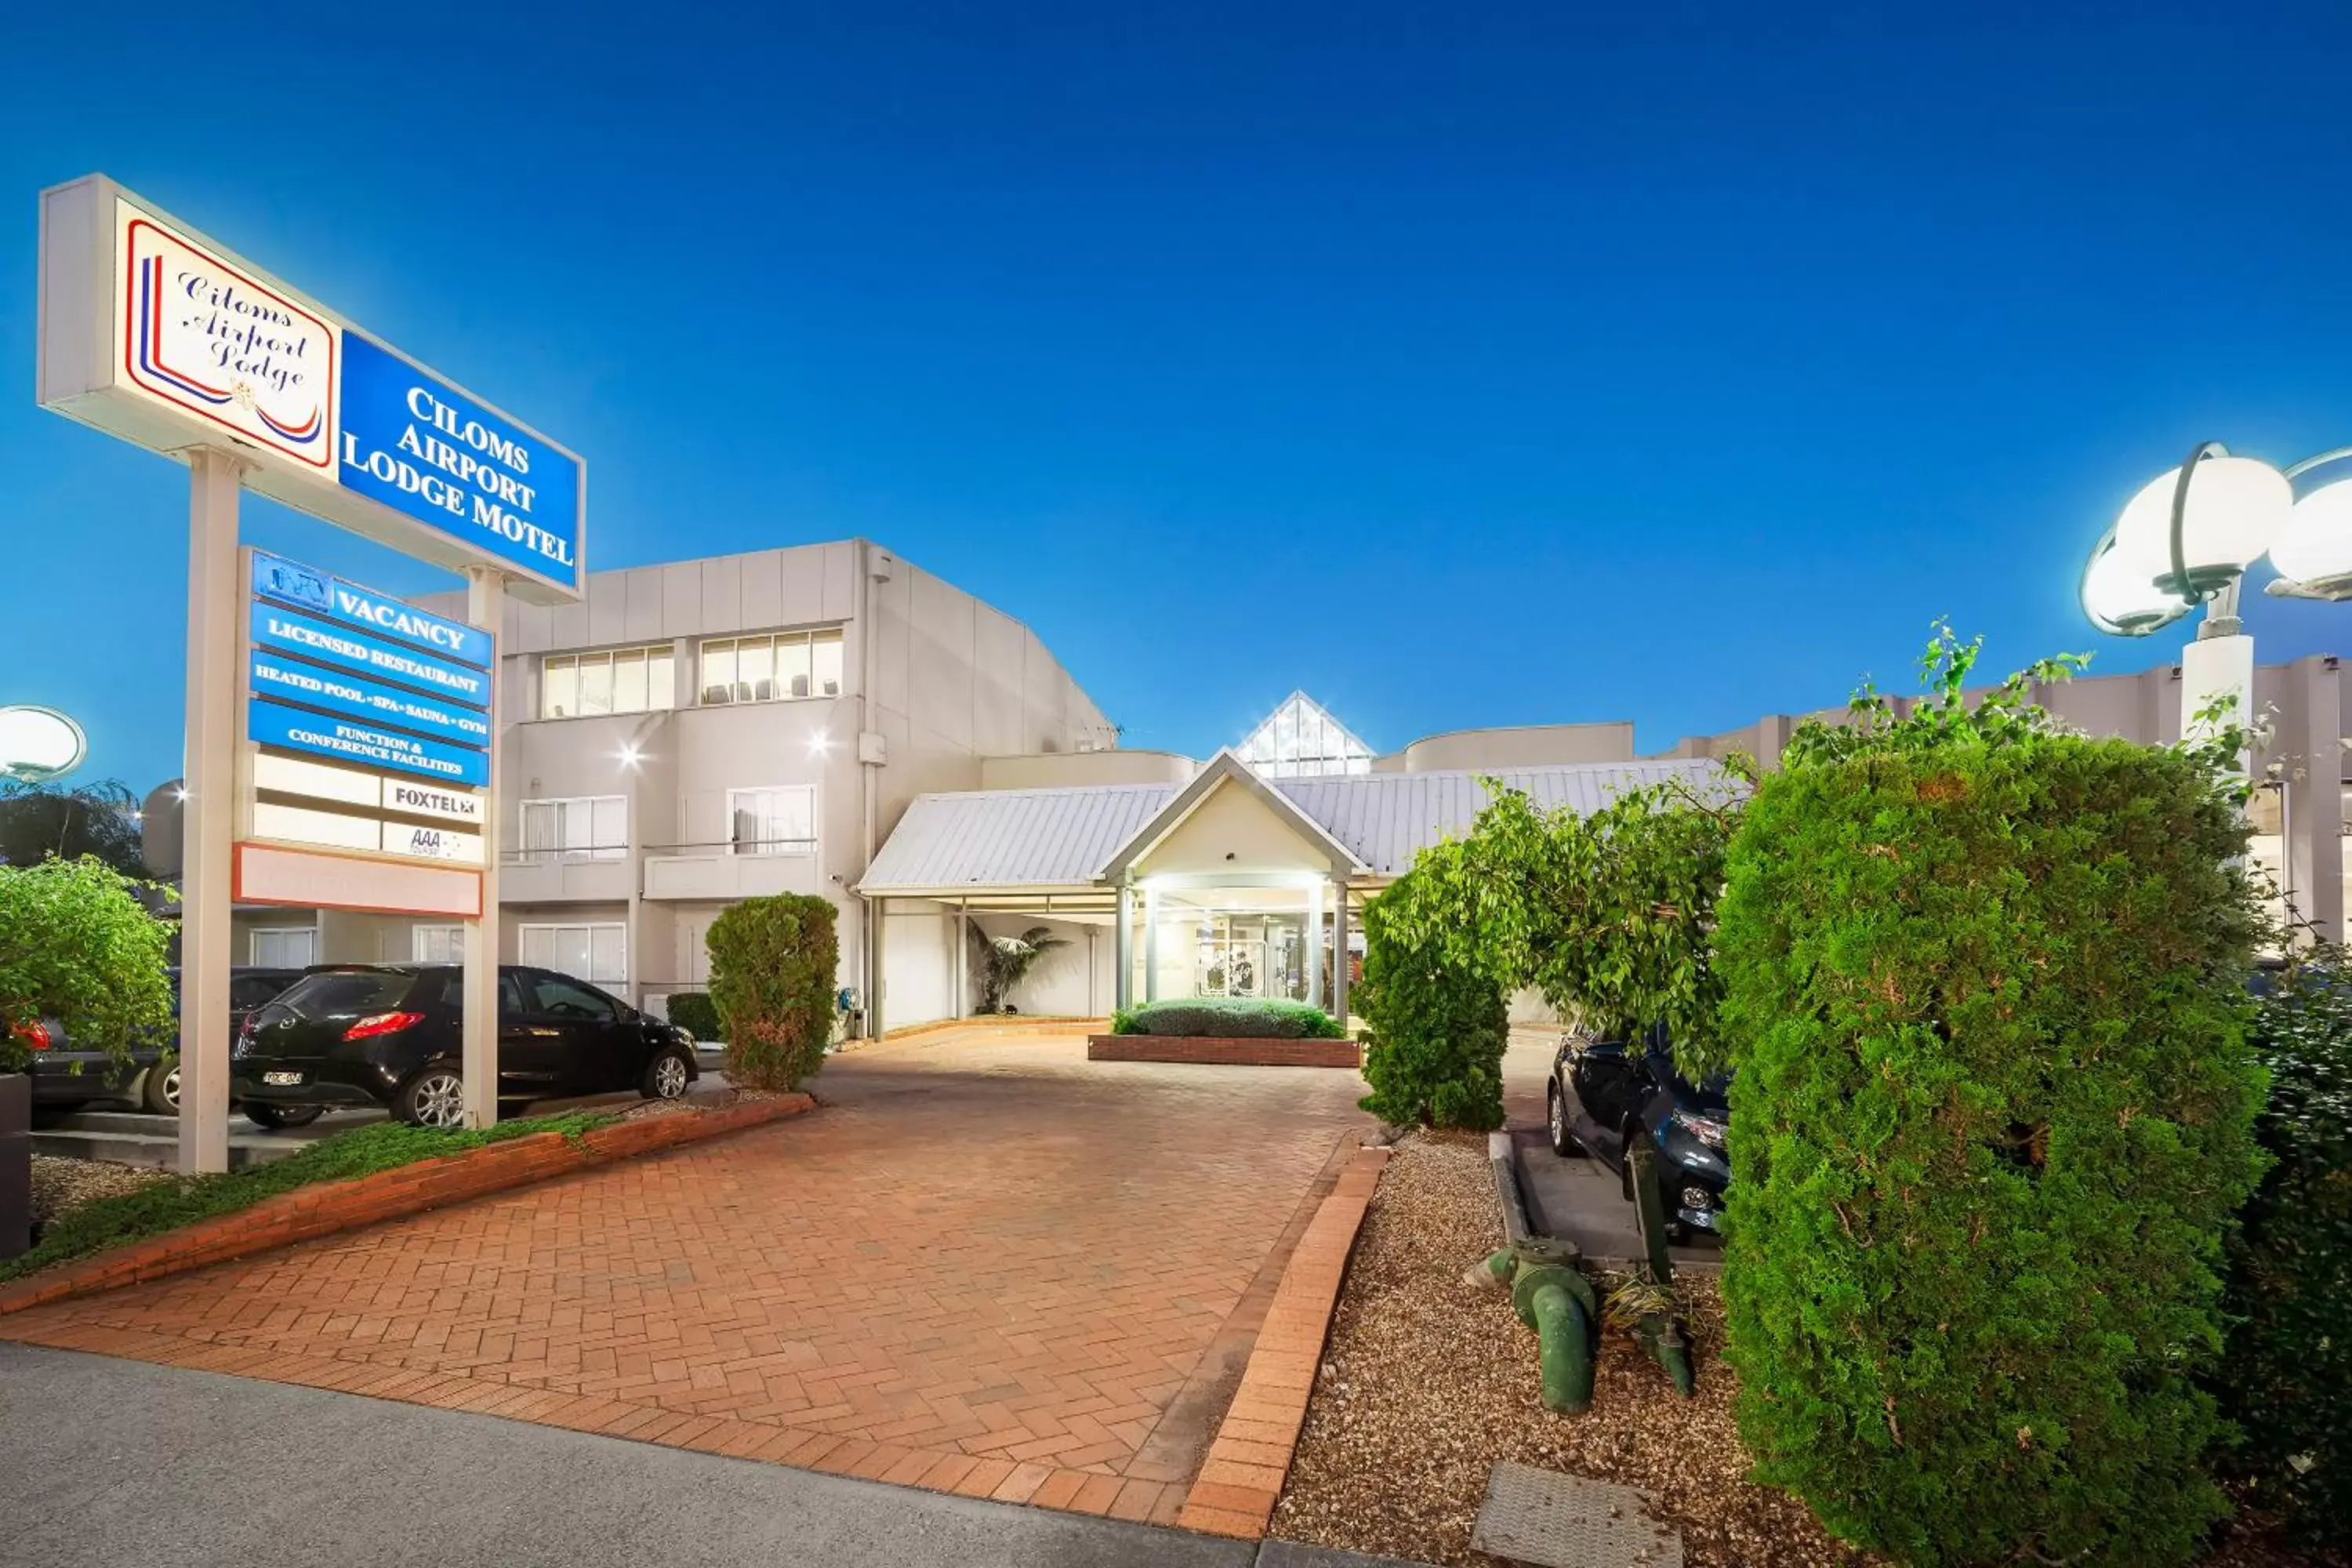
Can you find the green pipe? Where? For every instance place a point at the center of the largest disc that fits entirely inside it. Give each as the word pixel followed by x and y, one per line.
pixel 1501 1264
pixel 1559 1304
pixel 1560 1328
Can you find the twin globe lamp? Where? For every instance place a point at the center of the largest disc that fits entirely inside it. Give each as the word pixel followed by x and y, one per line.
pixel 2189 537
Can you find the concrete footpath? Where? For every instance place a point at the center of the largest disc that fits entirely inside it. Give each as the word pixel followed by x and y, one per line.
pixel 123 1464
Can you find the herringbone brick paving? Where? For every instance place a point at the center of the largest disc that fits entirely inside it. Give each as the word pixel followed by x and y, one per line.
pixel 987 1267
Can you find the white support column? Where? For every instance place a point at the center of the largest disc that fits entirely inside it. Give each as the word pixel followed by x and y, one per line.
pixel 485 606
pixel 1315 943
pixel 1122 956
pixel 1339 957
pixel 1151 943
pixel 215 685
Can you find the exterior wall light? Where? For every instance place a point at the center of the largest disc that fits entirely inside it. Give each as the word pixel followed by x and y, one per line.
pixel 630 755
pixel 820 743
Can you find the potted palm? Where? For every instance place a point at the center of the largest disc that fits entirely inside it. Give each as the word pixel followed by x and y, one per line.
pixel 1004 961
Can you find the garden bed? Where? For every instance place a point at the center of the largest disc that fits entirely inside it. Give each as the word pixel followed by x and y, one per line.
pixel 1427 1381
pixel 1227 1050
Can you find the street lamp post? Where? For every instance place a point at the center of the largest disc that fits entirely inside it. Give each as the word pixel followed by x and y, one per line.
pixel 2188 539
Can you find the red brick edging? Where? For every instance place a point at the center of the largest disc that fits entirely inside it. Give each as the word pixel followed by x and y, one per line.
pixel 330 1206
pixel 1236 1492
pixel 1224 1050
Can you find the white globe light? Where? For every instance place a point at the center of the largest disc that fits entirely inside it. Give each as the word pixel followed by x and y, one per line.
pixel 2119 600
pixel 39 744
pixel 2316 546
pixel 2236 508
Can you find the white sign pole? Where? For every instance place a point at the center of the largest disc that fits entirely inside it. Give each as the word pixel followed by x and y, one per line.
pixel 485 606
pixel 213 693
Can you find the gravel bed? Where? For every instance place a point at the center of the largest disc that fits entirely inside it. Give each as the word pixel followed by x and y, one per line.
pixel 1429 1381
pixel 59 1185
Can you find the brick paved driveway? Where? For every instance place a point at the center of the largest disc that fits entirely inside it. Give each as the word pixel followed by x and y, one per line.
pixel 987 1267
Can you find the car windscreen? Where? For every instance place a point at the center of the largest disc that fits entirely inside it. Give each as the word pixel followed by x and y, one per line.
pixel 354 995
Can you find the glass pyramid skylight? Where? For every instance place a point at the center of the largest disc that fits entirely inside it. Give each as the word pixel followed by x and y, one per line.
pixel 1299 740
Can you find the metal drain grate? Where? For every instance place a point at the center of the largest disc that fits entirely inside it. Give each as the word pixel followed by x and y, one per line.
pixel 1562 1522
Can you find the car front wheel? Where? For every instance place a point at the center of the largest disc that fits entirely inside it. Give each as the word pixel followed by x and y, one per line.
pixel 667 1076
pixel 1563 1142
pixel 432 1098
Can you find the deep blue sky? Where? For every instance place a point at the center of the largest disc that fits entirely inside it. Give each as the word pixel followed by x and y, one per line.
pixel 1461 365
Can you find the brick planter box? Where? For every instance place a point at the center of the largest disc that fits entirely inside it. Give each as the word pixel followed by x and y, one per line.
pixel 1224 1050
pixel 325 1207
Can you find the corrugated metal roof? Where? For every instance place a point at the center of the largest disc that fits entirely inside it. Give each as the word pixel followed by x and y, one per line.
pixel 1012 837
pixel 1062 837
pixel 1385 819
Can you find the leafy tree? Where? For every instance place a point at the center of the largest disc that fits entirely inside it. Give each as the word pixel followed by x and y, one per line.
pixel 2288 1380
pixel 1993 1110
pixel 40 821
pixel 1005 961
pixel 772 966
pixel 77 945
pixel 1439 1027
pixel 1609 916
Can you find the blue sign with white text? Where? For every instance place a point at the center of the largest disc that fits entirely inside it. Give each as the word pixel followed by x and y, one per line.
pixel 346 647
pixel 369 746
pixel 291 680
pixel 426 450
pixel 308 588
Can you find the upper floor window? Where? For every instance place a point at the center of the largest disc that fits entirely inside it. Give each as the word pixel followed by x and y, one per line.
pixel 615 680
pixel 772 667
pixel 588 827
pixel 781 820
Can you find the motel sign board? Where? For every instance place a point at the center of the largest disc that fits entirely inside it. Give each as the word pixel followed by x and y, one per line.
pixel 368 722
pixel 340 743
pixel 151 332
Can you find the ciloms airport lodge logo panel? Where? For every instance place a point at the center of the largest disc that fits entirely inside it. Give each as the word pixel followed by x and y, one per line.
pixel 205 337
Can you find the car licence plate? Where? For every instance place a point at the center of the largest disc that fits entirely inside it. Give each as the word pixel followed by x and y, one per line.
pixel 281 1078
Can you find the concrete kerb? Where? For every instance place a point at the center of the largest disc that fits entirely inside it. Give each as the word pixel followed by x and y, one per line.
pixel 323 1209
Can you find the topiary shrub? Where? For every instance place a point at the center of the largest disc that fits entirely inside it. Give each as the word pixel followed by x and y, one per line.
pixel 1434 1054
pixel 1994 1109
pixel 2288 1378
pixel 773 962
pixel 1230 1017
pixel 696 1013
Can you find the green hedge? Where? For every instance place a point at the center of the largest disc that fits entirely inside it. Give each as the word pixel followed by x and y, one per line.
pixel 773 963
pixel 1435 1056
pixel 1993 1113
pixel 2288 1379
pixel 1236 1017
pixel 696 1013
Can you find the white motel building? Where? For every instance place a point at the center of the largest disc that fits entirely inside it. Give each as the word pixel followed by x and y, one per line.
pixel 830 718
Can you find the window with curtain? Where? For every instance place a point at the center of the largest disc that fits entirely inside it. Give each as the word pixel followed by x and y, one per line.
pixel 285 947
pixel 436 944
pixel 614 680
pixel 777 666
pixel 777 820
pixel 597 953
pixel 585 827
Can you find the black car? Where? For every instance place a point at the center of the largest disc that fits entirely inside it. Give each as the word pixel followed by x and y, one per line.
pixel 389 1035
pixel 66 1077
pixel 1604 1094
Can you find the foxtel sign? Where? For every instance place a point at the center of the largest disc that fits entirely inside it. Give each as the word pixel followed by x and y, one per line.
pixel 152 333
